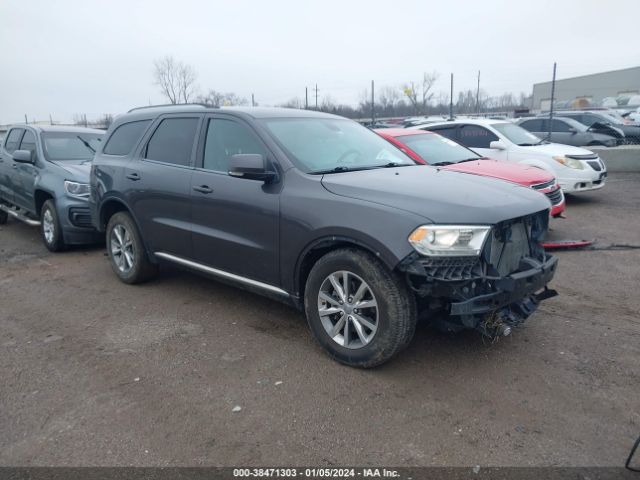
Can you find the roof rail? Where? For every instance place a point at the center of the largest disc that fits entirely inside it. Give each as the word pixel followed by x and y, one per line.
pixel 203 105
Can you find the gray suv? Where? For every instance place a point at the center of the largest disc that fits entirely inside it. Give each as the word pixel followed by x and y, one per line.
pixel 567 131
pixel 44 181
pixel 320 212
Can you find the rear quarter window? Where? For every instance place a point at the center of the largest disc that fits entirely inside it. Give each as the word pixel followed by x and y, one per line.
pixel 125 137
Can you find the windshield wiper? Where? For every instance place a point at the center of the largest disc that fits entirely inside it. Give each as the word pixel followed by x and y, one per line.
pixel 440 164
pixel 393 164
pixel 338 169
pixel 471 159
pixel 342 168
pixel 86 144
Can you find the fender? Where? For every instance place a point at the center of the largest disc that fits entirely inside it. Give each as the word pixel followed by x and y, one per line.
pixel 113 197
pixel 369 244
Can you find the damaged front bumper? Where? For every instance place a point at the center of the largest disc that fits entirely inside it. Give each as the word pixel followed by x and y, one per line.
pixel 462 293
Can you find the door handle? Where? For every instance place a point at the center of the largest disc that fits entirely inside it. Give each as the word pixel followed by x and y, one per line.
pixel 203 189
pixel 133 176
pixel 15 165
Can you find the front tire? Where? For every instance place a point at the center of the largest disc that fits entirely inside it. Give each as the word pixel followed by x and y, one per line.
pixel 127 255
pixel 50 227
pixel 359 312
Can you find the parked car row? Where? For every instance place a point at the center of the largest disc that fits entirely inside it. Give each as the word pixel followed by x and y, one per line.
pixel 432 149
pixel 584 128
pixel 576 169
pixel 311 209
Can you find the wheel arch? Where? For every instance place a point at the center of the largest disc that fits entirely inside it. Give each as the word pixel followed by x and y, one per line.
pixel 320 247
pixel 109 207
pixel 112 205
pixel 40 196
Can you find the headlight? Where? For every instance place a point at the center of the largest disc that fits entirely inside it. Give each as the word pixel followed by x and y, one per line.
pixel 75 189
pixel 448 240
pixel 569 162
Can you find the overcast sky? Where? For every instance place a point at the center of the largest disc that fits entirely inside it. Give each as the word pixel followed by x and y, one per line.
pixel 94 57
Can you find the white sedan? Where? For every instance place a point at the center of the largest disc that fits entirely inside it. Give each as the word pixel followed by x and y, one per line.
pixel 576 169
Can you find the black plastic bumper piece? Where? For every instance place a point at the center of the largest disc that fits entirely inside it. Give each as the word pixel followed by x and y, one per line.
pixel 510 289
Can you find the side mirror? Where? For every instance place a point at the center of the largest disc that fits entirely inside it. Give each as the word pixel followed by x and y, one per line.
pixel 498 145
pixel 22 156
pixel 572 130
pixel 251 166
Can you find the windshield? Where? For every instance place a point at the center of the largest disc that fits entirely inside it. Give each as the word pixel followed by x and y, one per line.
pixel 437 150
pixel 322 145
pixel 70 145
pixel 517 134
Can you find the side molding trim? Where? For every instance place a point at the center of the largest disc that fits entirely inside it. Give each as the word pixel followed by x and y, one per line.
pixel 221 273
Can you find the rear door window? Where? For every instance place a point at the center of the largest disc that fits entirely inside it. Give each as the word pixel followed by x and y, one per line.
pixel 173 141
pixel 125 137
pixel 559 126
pixel 13 140
pixel 476 136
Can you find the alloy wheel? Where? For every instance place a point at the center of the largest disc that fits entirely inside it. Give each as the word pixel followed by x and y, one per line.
pixel 348 309
pixel 121 246
pixel 48 226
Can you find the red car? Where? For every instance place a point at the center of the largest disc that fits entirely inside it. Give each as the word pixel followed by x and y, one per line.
pixel 433 149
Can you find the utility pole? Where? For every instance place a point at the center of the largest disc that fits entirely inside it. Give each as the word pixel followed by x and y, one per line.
pixel 253 100
pixel 478 95
pixel 26 120
pixel 553 94
pixel 451 100
pixel 373 108
pixel 50 119
pixel 306 98
pixel 316 96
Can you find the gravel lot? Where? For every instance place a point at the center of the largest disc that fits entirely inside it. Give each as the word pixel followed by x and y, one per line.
pixel 95 372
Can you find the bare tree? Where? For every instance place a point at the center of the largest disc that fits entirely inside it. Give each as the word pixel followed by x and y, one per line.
pixel 388 98
pixel 420 93
pixel 218 99
pixel 294 102
pixel 106 120
pixel 328 104
pixel 175 79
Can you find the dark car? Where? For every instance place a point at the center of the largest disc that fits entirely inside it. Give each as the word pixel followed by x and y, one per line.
pixel 602 121
pixel 319 211
pixel 568 132
pixel 44 180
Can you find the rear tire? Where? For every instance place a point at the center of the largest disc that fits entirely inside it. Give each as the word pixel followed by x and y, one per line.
pixel 127 254
pixel 368 322
pixel 4 216
pixel 50 227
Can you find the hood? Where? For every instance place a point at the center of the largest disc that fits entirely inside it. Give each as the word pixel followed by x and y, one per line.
pixel 551 149
pixel 79 169
pixel 513 172
pixel 439 195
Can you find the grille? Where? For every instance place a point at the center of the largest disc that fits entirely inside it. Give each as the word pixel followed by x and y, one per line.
pixel 542 186
pixel 80 217
pixel 590 156
pixel 595 165
pixel 451 269
pixel 555 197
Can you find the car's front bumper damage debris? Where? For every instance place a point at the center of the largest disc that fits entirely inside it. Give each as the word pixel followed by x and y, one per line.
pixel 491 293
